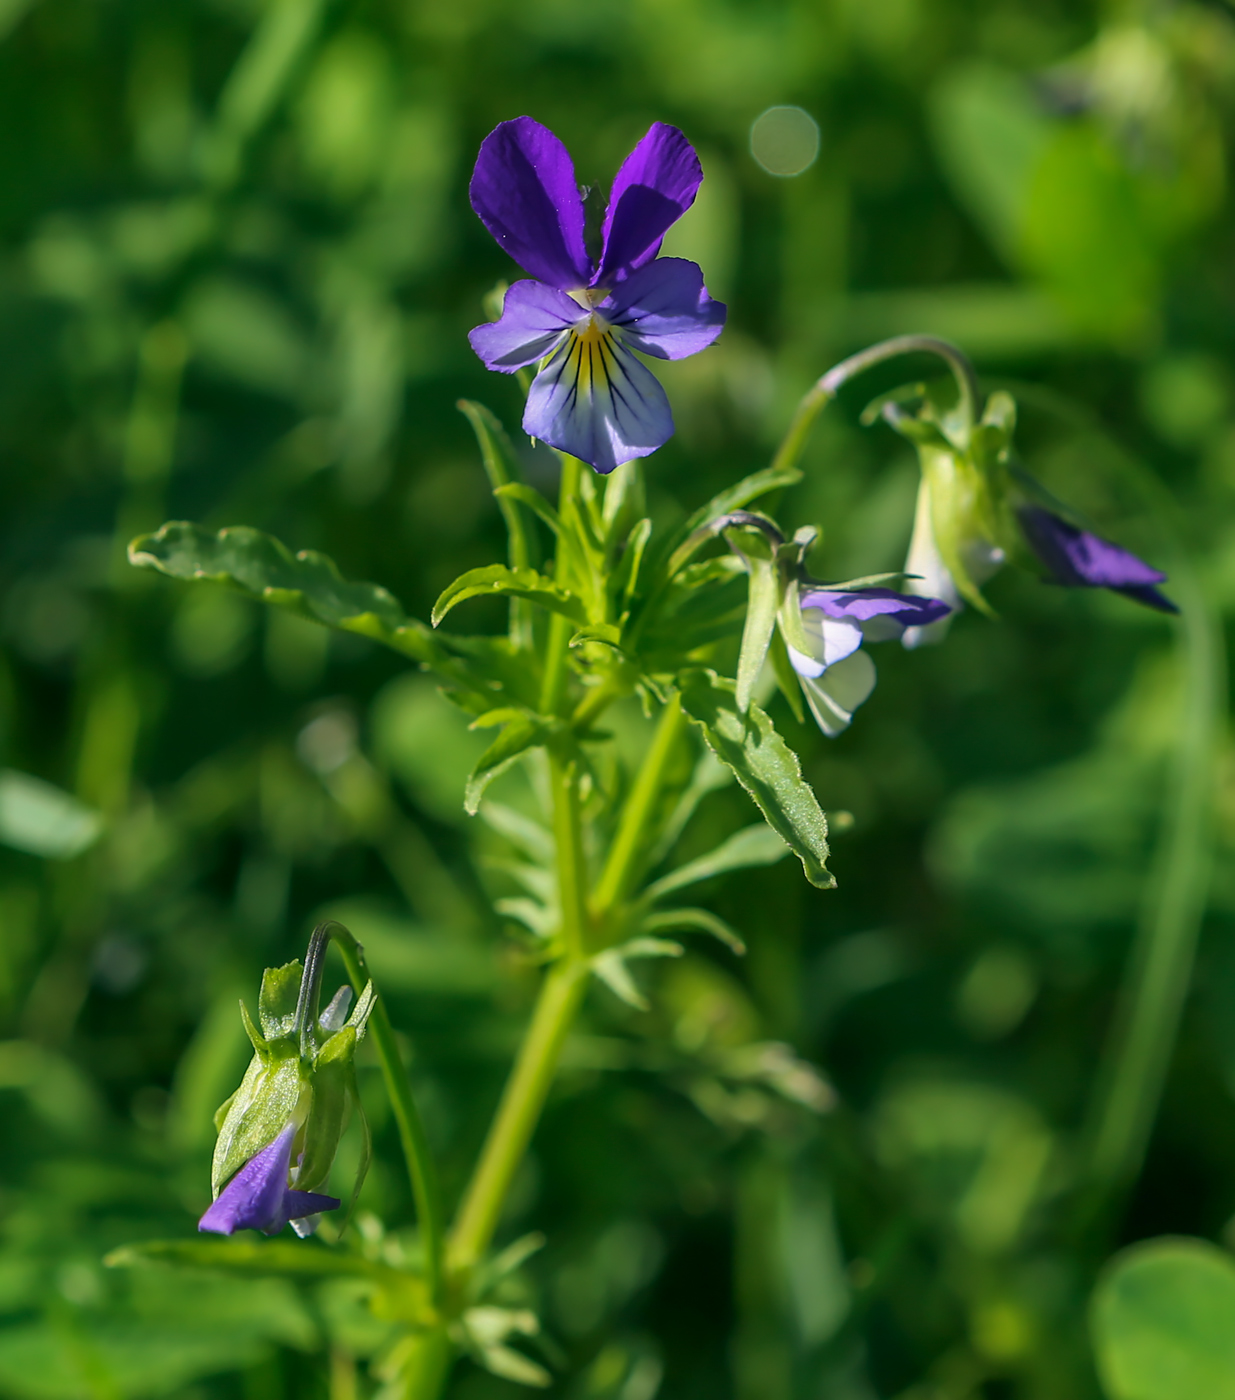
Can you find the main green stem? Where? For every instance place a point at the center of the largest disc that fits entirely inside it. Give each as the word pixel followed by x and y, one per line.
pixel 630 842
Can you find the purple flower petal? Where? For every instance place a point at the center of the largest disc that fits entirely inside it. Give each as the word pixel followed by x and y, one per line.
pixel 258 1197
pixel 866 604
pixel 524 190
pixel 534 318
pixel 1079 559
pixel 656 185
pixel 597 402
pixel 664 310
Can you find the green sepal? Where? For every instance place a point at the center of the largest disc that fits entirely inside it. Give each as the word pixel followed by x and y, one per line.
pixel 764 765
pixel 256 1039
pixel 276 1002
pixel 332 1078
pixel 268 1098
pixel 786 677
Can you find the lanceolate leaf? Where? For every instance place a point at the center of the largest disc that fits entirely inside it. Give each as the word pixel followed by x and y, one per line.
pixel 307 583
pixel 764 765
pixel 497 580
pixel 753 845
pixel 535 502
pixel 666 920
pixel 520 734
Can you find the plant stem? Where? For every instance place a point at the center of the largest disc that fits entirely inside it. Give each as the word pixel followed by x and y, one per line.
pixel 522 1101
pixel 422 1174
pixel 631 838
pixel 553 686
pixel 966 380
pixel 794 441
pixel 571 865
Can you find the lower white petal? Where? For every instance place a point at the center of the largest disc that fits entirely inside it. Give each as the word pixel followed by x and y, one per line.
pixel 835 695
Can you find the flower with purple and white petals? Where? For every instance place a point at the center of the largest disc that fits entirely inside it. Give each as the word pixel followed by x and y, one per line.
pixel 1078 559
pixel 581 320
pixel 258 1197
pixel 836 676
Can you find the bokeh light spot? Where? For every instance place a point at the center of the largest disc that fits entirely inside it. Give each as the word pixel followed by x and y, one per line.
pixel 785 140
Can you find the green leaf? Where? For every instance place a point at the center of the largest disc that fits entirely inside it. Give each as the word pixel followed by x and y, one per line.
pixel 765 766
pixel 741 493
pixel 535 502
pixel 1163 1322
pixel 610 966
pixel 250 1257
pixel 521 733
pixel 497 579
pixel 502 468
pixel 665 920
pixel 624 581
pixel 753 845
pixel 307 583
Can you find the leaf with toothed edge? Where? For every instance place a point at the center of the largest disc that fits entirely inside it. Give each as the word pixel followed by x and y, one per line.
pixel 307 583
pixel 765 766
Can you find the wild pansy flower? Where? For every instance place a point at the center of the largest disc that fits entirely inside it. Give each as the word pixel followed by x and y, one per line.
pixel 835 675
pixel 279 1131
pixel 582 318
pixel 259 1197
pixel 822 625
pixel 978 509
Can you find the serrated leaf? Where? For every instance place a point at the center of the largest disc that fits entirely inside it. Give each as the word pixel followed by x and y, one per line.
pixel 496 580
pixel 765 766
pixel 753 845
pixel 307 583
pixel 522 733
pixel 665 920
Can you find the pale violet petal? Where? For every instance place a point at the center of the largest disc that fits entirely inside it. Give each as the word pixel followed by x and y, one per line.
pixel 594 400
pixel 835 695
pixel 534 319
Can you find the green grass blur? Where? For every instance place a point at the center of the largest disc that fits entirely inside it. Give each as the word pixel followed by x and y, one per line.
pixel 236 292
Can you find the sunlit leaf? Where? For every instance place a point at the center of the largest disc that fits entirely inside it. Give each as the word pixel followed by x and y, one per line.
pixel 496 580
pixel 765 766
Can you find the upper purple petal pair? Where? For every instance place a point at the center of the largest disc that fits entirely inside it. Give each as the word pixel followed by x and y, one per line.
pixel 580 321
pixel 1079 559
pixel 258 1196
pixel 865 604
pixel 525 192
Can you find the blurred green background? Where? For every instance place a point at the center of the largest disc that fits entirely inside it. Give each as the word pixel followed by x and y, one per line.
pixel 237 268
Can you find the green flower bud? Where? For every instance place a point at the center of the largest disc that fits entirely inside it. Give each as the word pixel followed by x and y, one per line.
pixel 302 1072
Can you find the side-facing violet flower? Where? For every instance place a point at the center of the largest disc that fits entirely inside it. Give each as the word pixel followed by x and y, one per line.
pixel 1079 559
pixel 279 1131
pixel 581 318
pixel 258 1197
pixel 835 675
